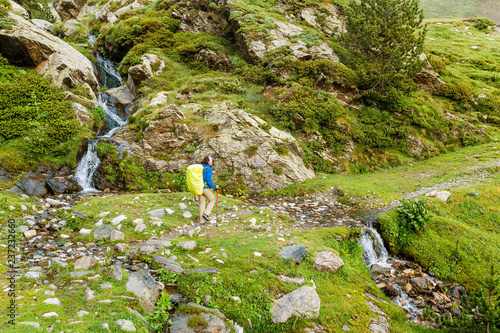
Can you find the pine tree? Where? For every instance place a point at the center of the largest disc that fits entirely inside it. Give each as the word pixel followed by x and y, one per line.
pixel 385 39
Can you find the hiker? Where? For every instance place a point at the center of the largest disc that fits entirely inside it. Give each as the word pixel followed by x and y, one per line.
pixel 207 185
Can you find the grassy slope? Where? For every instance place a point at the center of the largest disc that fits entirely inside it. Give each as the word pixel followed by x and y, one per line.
pixel 342 299
pixel 440 9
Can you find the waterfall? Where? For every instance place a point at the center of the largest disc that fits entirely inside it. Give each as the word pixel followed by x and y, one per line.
pixel 374 252
pixel 87 167
pixel 108 77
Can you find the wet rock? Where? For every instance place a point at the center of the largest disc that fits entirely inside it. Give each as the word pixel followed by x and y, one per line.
pixel 122 99
pixel 142 284
pixel 167 264
pixel 297 253
pixel 328 261
pixel 32 184
pixel 420 284
pixel 303 302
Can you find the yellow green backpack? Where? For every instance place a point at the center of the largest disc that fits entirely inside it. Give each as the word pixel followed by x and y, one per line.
pixel 194 178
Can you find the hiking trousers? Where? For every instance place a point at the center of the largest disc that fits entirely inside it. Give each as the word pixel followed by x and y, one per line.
pixel 211 201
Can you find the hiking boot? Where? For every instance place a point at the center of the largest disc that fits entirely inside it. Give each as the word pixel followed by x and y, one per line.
pixel 206 217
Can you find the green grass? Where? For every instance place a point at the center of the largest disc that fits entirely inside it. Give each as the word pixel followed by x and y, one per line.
pixel 460 9
pixel 463 238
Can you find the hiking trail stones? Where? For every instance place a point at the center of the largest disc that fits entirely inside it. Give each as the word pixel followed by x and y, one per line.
pixel 103 232
pixel 303 302
pixel 297 253
pixel 189 245
pixel 126 325
pixel 328 261
pixel 142 284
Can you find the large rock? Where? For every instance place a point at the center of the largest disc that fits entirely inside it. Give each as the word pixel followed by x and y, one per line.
pixel 69 9
pixel 85 262
pixel 246 144
pixel 19 10
pixel 144 287
pixel 32 184
pixel 42 24
pixel 103 232
pixel 303 303
pixel 297 253
pixel 81 113
pixel 29 46
pixel 167 264
pixel 328 261
pixel 143 71
pixel 122 99
pixel 71 28
pixel 106 14
pixel 197 21
pixel 254 46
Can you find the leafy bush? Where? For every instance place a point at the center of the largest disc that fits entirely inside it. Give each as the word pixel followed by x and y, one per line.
pixel 160 315
pixel 33 110
pixel 413 215
pixel 483 23
pixel 103 149
pixel 335 72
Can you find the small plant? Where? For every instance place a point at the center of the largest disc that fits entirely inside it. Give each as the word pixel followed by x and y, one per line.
pixel 251 150
pixel 167 277
pixel 160 315
pixel 265 126
pixel 190 149
pixel 197 322
pixel 413 215
pixel 281 150
pixel 278 171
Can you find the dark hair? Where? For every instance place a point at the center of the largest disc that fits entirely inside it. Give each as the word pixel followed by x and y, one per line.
pixel 205 160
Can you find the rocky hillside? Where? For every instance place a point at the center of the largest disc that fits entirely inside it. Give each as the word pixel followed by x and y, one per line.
pixel 200 75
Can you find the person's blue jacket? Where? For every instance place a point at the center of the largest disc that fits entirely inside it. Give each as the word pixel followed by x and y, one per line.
pixel 207 176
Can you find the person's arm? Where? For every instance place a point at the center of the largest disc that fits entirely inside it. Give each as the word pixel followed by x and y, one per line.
pixel 209 178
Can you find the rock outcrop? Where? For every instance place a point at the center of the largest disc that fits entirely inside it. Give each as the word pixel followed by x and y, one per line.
pixel 29 46
pixel 303 302
pixel 69 9
pixel 143 71
pixel 106 13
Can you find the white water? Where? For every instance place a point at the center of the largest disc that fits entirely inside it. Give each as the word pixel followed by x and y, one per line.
pixel 374 252
pixel 90 162
pixel 87 167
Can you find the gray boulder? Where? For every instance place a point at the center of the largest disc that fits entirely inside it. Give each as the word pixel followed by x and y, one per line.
pixel 297 253
pixel 122 99
pixel 303 302
pixel 142 284
pixel 31 183
pixel 167 264
pixel 103 232
pixel 328 261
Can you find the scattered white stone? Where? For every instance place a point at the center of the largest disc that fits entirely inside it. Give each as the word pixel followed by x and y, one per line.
pixel 49 292
pixel 33 275
pixel 140 227
pixel 219 261
pixel 85 262
pixel 50 314
pixel 187 214
pixel 300 280
pixel 30 233
pixel 126 325
pixel 106 285
pixel 105 326
pixel 120 247
pixel 98 223
pixel 89 294
pixel 64 236
pixel 474 47
pixel 253 220
pixel 103 214
pixel 29 323
pixel 138 221
pixel 193 258
pixel 82 313
pixel 53 301
pixel 236 298
pixel 118 219
pixel 84 231
pixel 24 208
pixel 24 228
pixel 257 254
pixel 170 211
pixel 190 245
pixel 182 206
pixel 53 286
pixel 116 235
pixel 12 207
pixel 106 301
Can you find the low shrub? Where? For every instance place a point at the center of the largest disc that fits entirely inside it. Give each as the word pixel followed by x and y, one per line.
pixel 438 65
pixel 460 92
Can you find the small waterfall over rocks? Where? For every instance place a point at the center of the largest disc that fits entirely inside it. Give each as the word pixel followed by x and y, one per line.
pixel 108 77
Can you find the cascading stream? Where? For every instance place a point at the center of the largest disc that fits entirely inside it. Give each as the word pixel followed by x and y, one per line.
pixel 374 252
pixel 108 77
